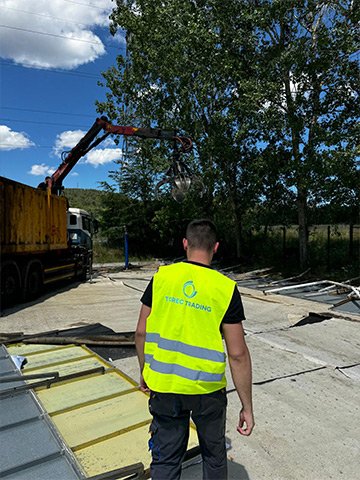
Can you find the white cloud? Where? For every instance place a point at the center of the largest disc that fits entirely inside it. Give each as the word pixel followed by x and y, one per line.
pixel 42 170
pixel 102 156
pixel 10 140
pixel 55 19
pixel 108 142
pixel 67 140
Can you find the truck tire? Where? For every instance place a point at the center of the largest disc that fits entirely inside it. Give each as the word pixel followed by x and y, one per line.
pixel 10 283
pixel 81 273
pixel 84 266
pixel 33 280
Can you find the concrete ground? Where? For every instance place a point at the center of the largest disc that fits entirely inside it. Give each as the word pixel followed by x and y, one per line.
pixel 306 379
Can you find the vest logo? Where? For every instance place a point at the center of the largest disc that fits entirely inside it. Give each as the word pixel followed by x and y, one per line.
pixel 189 289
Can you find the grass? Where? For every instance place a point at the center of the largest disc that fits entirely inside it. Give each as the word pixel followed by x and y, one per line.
pixel 329 257
pixel 103 253
pixel 329 250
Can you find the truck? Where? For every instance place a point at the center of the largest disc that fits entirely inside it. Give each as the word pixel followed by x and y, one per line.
pixel 44 240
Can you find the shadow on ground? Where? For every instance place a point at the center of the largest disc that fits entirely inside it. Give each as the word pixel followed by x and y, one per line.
pixel 193 471
pixel 49 291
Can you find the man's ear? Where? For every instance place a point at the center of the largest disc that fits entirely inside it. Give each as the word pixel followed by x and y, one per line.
pixel 216 246
pixel 185 244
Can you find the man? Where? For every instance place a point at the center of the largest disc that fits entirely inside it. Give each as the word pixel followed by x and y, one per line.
pixel 186 308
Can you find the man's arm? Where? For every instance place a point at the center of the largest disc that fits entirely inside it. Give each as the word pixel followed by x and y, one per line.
pixel 240 366
pixel 140 334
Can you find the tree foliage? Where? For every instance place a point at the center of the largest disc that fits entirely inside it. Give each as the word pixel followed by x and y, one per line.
pixel 268 89
pixel 312 76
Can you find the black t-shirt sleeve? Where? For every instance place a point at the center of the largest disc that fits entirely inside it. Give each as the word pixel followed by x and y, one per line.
pixel 146 298
pixel 235 312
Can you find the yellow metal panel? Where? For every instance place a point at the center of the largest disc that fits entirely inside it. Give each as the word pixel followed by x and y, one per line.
pixel 104 433
pixel 75 366
pixel 130 447
pixel 75 392
pixel 24 349
pixel 54 357
pixel 91 423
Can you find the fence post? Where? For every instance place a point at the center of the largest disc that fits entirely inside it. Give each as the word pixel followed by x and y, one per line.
pixel 328 248
pixel 284 241
pixel 351 240
pixel 126 248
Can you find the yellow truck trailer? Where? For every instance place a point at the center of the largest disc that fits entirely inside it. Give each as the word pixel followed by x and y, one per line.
pixel 41 240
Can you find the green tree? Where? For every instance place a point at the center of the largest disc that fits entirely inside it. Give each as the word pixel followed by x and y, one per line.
pixel 311 73
pixel 267 88
pixel 191 65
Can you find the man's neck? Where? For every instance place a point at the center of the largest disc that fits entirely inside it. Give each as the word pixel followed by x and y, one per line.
pixel 199 256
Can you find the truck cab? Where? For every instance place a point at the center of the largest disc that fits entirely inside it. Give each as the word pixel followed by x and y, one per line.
pixel 80 228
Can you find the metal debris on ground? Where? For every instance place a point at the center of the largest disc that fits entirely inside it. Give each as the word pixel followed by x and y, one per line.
pixel 343 296
pixel 95 334
pixel 98 411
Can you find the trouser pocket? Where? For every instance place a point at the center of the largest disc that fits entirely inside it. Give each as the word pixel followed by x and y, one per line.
pixel 153 443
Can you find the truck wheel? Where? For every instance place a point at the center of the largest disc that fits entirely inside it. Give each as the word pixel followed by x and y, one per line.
pixel 83 267
pixel 81 273
pixel 33 281
pixel 10 284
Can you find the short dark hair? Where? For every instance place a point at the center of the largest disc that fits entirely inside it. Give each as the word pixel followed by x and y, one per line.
pixel 201 234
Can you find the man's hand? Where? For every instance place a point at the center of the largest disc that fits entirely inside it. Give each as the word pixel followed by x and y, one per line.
pixel 143 386
pixel 246 422
pixel 240 366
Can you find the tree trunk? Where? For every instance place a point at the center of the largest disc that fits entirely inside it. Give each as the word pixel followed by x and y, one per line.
pixel 238 234
pixel 237 212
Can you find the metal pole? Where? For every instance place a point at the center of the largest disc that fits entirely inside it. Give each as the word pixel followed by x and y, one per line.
pixel 292 287
pixel 328 248
pixel 355 290
pixel 126 248
pixel 351 240
pixel 284 242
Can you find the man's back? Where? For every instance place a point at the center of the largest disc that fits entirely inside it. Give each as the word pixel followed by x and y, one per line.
pixel 184 351
pixel 182 360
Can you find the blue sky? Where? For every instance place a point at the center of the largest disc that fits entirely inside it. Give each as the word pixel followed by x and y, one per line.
pixel 48 86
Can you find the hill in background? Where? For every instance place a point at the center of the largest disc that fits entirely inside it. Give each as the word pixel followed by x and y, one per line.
pixel 87 199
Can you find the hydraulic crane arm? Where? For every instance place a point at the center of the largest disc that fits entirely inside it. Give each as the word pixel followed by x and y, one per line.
pixel 185 142
pixel 91 140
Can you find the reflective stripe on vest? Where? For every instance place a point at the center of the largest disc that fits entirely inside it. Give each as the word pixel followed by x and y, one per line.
pixel 181 371
pixel 184 351
pixel 176 346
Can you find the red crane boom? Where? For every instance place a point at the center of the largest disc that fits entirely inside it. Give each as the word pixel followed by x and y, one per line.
pixel 91 140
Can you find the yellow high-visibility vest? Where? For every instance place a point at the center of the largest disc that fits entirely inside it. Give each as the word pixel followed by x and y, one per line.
pixel 184 351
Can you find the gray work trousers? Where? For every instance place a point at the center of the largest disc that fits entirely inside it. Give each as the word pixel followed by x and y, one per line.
pixel 170 433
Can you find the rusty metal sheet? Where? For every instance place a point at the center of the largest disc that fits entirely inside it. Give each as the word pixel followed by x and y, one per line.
pixel 31 220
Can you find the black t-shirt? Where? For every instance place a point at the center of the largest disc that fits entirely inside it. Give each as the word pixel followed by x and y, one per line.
pixel 234 313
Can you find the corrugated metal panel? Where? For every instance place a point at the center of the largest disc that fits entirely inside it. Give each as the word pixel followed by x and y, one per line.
pixel 30 447
pixel 31 220
pixel 102 417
